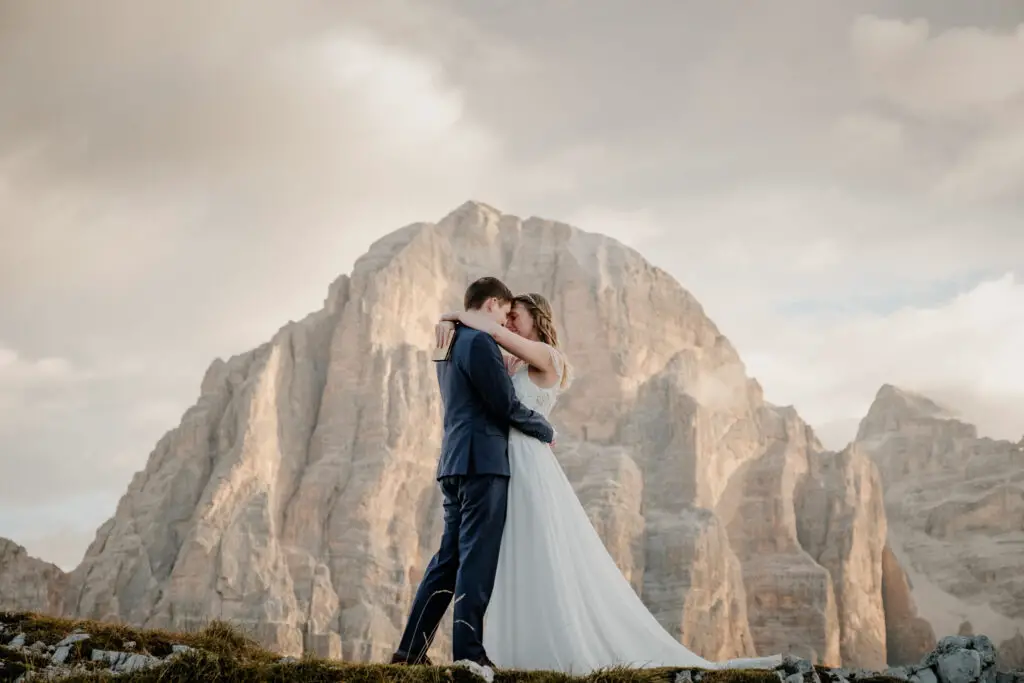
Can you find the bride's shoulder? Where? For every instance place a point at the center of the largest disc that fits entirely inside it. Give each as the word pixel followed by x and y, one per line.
pixel 561 365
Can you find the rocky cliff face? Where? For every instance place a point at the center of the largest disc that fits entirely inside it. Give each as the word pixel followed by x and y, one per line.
pixel 955 505
pixel 297 495
pixel 908 636
pixel 29 584
pixel 842 525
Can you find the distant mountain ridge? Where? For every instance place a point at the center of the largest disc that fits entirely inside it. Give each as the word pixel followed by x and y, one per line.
pixel 28 583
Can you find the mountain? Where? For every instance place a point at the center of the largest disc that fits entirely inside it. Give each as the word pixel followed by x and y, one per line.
pixel 297 495
pixel 955 505
pixel 29 584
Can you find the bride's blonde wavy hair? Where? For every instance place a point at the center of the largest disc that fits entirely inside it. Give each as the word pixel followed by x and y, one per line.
pixel 544 322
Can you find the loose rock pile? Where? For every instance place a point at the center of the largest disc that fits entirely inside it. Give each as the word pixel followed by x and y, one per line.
pixel 72 655
pixel 26 658
pixel 956 659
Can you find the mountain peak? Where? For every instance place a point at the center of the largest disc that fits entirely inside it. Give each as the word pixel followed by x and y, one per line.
pixel 9 546
pixel 28 583
pixel 894 407
pixel 471 205
pixel 891 398
pixel 309 460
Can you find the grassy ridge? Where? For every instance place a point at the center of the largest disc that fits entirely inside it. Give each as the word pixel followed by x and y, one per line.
pixel 221 653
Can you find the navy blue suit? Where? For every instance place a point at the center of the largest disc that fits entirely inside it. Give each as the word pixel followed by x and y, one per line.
pixel 480 406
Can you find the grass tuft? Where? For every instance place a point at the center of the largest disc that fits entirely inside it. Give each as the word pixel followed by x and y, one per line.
pixel 14 664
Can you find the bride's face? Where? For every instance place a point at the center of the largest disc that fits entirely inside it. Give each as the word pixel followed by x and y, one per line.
pixel 521 322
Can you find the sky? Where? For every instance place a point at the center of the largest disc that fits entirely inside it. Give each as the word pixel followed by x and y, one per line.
pixel 840 184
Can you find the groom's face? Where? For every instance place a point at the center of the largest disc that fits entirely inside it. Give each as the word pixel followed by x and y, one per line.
pixel 498 310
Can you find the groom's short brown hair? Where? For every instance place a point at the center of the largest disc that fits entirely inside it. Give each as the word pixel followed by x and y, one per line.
pixel 483 289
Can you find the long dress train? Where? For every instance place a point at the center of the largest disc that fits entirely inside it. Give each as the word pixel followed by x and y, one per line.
pixel 560 602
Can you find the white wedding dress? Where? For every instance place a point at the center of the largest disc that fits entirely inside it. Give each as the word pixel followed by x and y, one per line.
pixel 560 602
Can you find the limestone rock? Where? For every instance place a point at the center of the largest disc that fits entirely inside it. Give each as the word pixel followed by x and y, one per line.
pixel 960 666
pixel 955 507
pixel 29 584
pixel 791 598
pixel 842 525
pixel 908 637
pixel 962 659
pixel 297 496
pixel 1011 654
pixel 694 583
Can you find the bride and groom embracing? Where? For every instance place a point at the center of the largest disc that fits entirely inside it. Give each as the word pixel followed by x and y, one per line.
pixel 517 544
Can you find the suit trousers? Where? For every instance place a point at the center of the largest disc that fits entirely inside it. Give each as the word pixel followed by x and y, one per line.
pixel 463 567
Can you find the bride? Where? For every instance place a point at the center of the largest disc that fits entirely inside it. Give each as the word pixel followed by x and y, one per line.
pixel 560 602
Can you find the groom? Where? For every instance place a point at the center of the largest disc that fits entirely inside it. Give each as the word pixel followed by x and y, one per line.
pixel 479 407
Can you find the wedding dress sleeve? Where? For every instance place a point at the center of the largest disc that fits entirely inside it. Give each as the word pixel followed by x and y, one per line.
pixel 562 368
pixel 512 363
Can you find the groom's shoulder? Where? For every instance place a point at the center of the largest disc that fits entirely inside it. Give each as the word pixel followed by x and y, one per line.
pixel 464 336
pixel 467 338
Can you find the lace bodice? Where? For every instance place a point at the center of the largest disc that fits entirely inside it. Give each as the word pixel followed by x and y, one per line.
pixel 532 396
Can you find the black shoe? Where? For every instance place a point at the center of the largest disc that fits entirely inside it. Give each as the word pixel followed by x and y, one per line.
pixel 399 658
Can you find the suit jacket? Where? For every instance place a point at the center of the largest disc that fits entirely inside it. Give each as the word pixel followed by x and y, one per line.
pixel 480 406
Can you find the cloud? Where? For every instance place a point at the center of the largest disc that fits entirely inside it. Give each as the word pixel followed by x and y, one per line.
pixel 964 351
pixel 17 370
pixel 964 89
pixel 874 145
pixel 28 381
pixel 777 246
pixel 959 72
pixel 991 167
pixel 195 161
